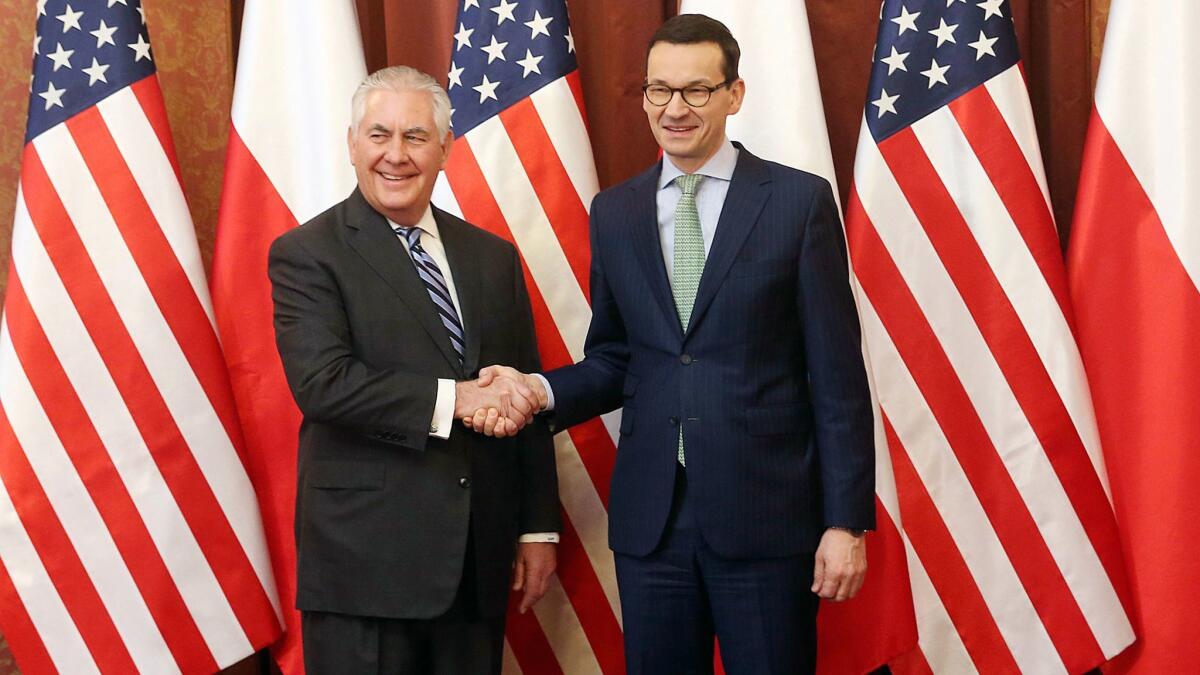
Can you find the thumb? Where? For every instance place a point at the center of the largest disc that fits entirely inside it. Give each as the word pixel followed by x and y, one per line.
pixel 519 575
pixel 818 573
pixel 486 376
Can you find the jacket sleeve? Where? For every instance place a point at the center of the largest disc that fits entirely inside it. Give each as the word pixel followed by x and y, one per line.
pixel 330 384
pixel 844 424
pixel 539 477
pixel 593 386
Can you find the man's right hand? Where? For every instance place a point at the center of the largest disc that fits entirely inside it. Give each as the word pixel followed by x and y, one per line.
pixel 506 405
pixel 490 420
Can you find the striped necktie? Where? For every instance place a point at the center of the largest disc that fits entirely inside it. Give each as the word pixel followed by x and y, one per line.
pixel 688 264
pixel 435 283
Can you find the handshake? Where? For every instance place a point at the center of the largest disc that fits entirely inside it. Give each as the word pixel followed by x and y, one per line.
pixel 500 403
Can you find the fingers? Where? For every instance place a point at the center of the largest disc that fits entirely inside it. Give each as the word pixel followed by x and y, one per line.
pixel 487 375
pixel 818 574
pixel 519 574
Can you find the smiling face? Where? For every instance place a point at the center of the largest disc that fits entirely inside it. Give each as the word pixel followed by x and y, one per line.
pixel 688 135
pixel 397 154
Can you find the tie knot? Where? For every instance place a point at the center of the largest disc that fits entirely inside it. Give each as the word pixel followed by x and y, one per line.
pixel 411 234
pixel 687 182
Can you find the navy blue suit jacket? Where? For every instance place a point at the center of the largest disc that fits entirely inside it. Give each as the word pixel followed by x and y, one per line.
pixel 768 380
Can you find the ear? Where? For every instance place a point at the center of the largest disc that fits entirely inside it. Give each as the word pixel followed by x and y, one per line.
pixel 350 143
pixel 737 93
pixel 446 143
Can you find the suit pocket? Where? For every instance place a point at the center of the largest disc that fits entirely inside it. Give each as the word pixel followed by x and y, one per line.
pixel 773 420
pixel 345 475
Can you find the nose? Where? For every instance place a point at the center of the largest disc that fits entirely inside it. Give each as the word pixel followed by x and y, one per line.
pixel 396 151
pixel 676 107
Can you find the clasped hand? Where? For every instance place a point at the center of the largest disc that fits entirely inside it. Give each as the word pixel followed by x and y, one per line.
pixel 500 403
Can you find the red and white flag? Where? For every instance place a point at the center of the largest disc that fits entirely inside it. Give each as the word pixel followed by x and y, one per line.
pixel 782 119
pixel 130 539
pixel 1134 267
pixel 298 65
pixel 1013 556
pixel 522 168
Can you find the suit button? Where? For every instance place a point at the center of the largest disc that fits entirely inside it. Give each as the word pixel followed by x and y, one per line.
pixel 686 359
pixel 674 421
pixel 464 482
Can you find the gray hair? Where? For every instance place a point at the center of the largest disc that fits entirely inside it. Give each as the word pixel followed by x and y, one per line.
pixel 402 78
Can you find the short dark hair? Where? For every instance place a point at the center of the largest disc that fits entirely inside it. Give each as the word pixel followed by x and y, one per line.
pixel 690 29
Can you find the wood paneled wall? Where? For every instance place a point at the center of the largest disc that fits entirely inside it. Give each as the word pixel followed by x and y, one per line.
pixel 193 44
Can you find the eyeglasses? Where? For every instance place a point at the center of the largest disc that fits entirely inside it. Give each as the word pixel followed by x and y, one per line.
pixel 695 95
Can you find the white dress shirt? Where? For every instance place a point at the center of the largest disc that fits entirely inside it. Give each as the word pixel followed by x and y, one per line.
pixel 443 407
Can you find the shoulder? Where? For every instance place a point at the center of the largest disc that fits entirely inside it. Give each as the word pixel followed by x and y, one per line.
pixel 480 240
pixel 315 234
pixel 625 192
pixel 789 177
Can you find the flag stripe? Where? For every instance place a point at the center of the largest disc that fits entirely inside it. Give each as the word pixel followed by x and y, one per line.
pixel 931 178
pixel 1008 93
pixel 564 212
pixel 529 645
pixel 150 100
pixel 107 492
pixel 142 396
pixel 560 108
pixel 957 462
pixel 936 549
pixel 587 513
pixel 564 633
pixel 18 627
pixel 582 585
pixel 995 146
pixel 102 400
pixel 80 592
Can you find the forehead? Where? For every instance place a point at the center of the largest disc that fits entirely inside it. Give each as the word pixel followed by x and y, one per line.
pixel 404 108
pixel 684 63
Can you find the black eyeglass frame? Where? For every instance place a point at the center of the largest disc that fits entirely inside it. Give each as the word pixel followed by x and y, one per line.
pixel 683 93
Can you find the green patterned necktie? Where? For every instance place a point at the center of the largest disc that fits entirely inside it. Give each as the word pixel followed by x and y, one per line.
pixel 689 260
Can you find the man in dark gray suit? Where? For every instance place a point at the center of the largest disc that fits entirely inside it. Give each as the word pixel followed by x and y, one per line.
pixel 407 528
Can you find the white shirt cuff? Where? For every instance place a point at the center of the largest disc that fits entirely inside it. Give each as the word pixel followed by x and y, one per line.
pixel 539 538
pixel 443 410
pixel 549 391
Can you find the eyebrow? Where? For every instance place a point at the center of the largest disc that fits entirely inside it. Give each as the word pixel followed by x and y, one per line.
pixel 689 84
pixel 416 130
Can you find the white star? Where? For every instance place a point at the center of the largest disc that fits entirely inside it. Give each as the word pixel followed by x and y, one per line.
pixel 113 2
pixel 141 48
pixel 104 34
pixel 991 8
pixel 944 33
pixel 69 19
pixel 951 2
pixel 53 96
pixel 463 37
pixel 37 44
pixel 142 13
pixel 896 61
pixel 41 5
pixel 906 20
pixel 570 41
pixel 530 63
pixel 61 57
pixel 468 4
pixel 96 72
pixel 487 90
pixel 455 75
pixel 936 74
pixel 504 11
pixel 885 103
pixel 495 50
pixel 538 25
pixel 983 46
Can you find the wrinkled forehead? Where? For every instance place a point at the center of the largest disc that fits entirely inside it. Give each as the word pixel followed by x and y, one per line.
pixel 684 64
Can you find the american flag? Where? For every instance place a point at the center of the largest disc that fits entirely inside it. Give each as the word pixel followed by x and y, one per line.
pixel 522 168
pixel 298 65
pixel 130 539
pixel 1012 551
pixel 1134 269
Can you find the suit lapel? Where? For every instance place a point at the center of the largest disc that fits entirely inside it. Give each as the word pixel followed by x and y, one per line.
pixel 747 193
pixel 467 282
pixel 374 241
pixel 644 230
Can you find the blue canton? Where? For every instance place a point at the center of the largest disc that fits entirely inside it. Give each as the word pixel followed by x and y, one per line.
pixel 84 51
pixel 930 52
pixel 503 51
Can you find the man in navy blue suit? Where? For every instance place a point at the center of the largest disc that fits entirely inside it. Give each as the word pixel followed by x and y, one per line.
pixel 724 325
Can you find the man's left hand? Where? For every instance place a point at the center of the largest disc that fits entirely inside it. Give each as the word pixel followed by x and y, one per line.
pixel 536 561
pixel 841 565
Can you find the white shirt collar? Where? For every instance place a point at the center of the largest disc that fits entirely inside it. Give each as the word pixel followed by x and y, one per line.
pixel 427 223
pixel 720 165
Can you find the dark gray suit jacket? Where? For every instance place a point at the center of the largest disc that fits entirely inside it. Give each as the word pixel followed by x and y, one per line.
pixel 383 510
